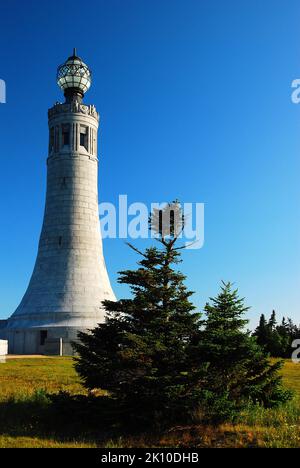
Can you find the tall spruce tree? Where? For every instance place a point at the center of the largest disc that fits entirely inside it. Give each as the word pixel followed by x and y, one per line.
pixel 272 322
pixel 239 370
pixel 143 355
pixel 275 340
pixel 261 332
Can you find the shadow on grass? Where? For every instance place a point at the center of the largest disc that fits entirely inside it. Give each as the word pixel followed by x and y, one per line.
pixel 99 421
pixel 61 417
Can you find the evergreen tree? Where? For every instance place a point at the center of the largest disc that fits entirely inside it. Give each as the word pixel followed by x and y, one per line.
pixel 158 361
pixel 284 324
pixel 284 339
pixel 276 344
pixel 272 322
pixel 239 370
pixel 261 332
pixel 143 355
pixel 277 339
pixel 293 330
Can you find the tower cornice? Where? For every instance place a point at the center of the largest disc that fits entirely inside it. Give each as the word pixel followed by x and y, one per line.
pixel 73 108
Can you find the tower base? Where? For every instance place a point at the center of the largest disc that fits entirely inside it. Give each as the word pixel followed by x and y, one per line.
pixel 55 341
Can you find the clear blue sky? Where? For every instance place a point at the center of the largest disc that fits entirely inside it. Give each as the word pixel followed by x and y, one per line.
pixel 195 104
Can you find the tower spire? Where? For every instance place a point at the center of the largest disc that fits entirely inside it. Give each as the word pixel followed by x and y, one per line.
pixel 74 52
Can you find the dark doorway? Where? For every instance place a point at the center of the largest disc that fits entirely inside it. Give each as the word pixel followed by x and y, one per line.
pixel 43 337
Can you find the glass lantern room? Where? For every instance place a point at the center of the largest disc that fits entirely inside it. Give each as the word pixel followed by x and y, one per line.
pixel 74 75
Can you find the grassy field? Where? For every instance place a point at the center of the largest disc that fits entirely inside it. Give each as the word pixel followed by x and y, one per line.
pixel 25 382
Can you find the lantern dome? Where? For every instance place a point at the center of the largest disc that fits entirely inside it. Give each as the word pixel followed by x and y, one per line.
pixel 74 77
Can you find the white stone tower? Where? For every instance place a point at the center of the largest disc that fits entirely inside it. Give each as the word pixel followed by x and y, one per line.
pixel 69 281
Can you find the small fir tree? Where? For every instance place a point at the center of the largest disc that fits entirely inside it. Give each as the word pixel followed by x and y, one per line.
pixel 239 370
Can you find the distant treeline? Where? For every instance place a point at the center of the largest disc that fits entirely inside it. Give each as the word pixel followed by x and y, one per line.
pixel 277 338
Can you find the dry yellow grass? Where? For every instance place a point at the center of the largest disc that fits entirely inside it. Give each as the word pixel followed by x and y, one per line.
pixel 36 442
pixel 21 377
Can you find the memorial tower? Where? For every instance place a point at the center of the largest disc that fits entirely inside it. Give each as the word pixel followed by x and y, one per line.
pixel 69 280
